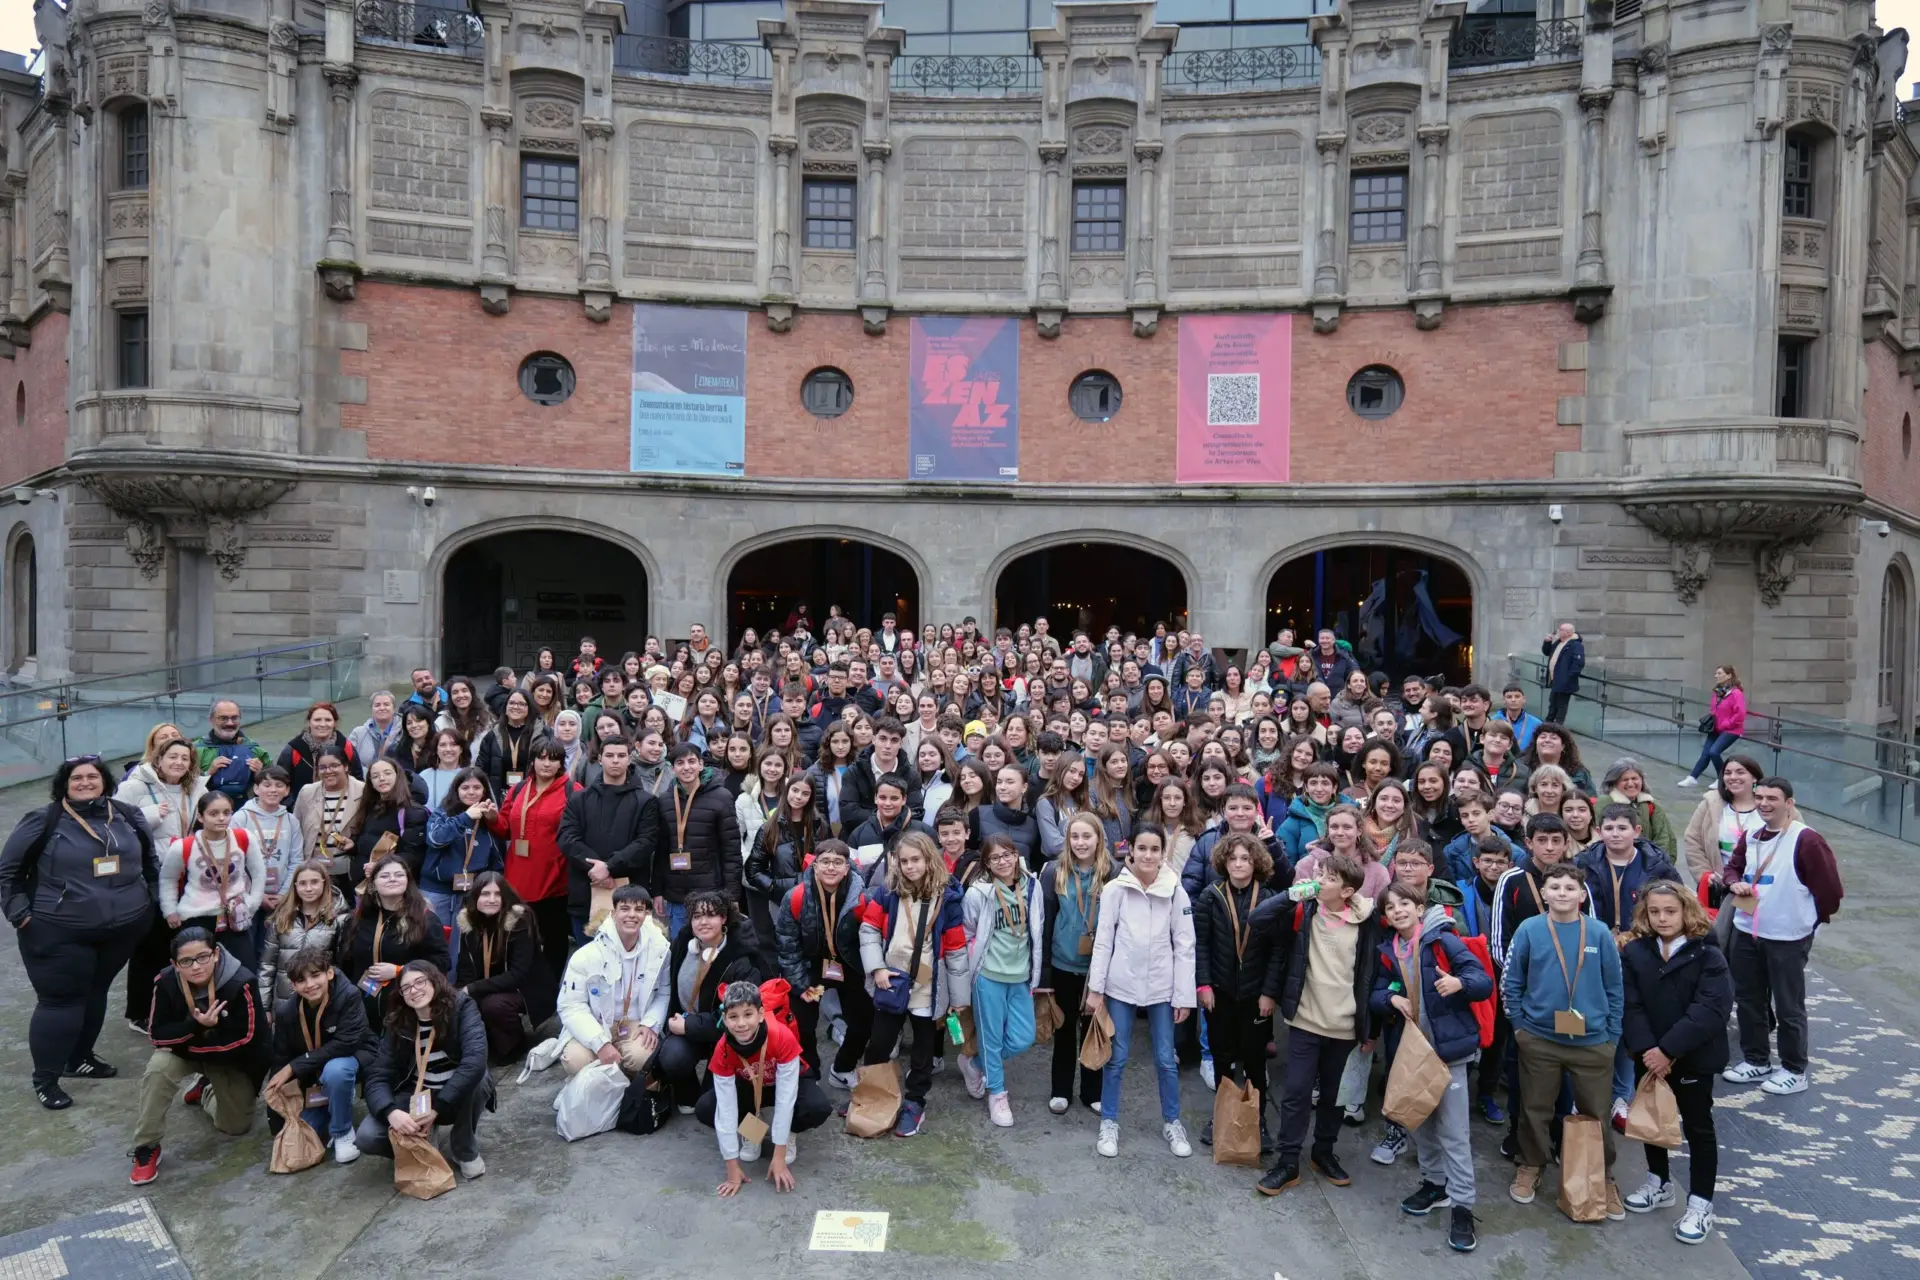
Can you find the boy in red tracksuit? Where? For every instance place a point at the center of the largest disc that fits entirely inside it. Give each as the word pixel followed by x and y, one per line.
pixel 757 1054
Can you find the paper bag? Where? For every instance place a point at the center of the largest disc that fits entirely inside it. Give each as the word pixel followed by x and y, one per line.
pixel 875 1103
pixel 1236 1124
pixel 1417 1082
pixel 1047 1018
pixel 419 1170
pixel 602 906
pixel 1097 1046
pixel 296 1146
pixel 1583 1169
pixel 969 1039
pixel 1654 1117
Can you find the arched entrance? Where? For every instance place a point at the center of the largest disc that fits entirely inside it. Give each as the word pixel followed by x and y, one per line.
pixel 1895 628
pixel 1402 610
pixel 22 602
pixel 1090 586
pixel 767 584
pixel 507 595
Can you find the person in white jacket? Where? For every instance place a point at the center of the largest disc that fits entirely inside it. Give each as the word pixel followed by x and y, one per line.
pixel 613 1001
pixel 382 729
pixel 1006 923
pixel 1143 960
pixel 165 788
pixel 213 878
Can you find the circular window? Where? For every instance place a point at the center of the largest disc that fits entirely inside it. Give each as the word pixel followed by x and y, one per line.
pixel 827 393
pixel 1906 435
pixel 1095 396
pixel 1375 392
pixel 546 378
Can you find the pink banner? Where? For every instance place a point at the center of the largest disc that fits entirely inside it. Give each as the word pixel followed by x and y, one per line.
pixel 1236 399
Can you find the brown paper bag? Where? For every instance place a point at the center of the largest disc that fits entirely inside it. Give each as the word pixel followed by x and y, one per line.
pixel 1583 1169
pixel 875 1103
pixel 1097 1046
pixel 969 1040
pixel 1654 1117
pixel 296 1146
pixel 1047 1018
pixel 1236 1124
pixel 602 905
pixel 419 1170
pixel 1417 1082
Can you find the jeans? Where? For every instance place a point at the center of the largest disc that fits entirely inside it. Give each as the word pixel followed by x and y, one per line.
pixel 446 906
pixel 676 919
pixel 1768 972
pixel 1696 1125
pixel 335 1120
pixel 1713 752
pixel 1622 1074
pixel 1165 1066
pixel 1003 1019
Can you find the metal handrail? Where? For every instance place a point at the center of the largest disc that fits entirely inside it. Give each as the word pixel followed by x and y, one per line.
pixel 64 711
pixel 122 677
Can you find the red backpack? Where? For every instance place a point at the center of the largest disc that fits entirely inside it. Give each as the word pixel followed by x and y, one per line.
pixel 1482 1009
pixel 776 997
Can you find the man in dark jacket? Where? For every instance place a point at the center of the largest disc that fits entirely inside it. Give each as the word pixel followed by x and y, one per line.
pixel 608 831
pixel 1566 655
pixel 871 765
pixel 1619 865
pixel 701 849
pixel 1330 662
pixel 321 1042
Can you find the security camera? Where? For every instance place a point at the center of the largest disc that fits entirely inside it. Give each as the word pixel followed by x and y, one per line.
pixel 1881 527
pixel 428 494
pixel 1556 513
pixel 23 495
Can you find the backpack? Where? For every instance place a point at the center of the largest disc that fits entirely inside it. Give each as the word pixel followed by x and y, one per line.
pixel 776 997
pixel 237 834
pixel 1482 1009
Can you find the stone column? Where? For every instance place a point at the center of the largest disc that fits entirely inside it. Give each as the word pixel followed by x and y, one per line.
pixel 16 246
pixel 1146 282
pixel 1910 285
pixel 780 278
pixel 6 257
pixel 1326 268
pixel 341 269
pixel 1591 267
pixel 493 257
pixel 599 198
pixel 57 278
pixel 873 285
pixel 1433 182
pixel 1052 155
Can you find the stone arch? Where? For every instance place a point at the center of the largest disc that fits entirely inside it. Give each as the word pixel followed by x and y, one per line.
pixel 1893 689
pixel 20 577
pixel 1006 558
pixel 739 551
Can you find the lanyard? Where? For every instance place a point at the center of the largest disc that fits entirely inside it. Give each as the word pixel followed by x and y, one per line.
pixel 526 807
pixel 680 816
pixel 88 826
pixel 1083 900
pixel 422 1055
pixel 272 841
pixel 224 867
pixel 513 749
pixel 486 955
pixel 1233 916
pixel 379 930
pixel 312 1037
pixel 186 988
pixel 1015 922
pixel 1406 952
pixel 1571 980
pixel 1539 907
pixel 759 1074
pixel 466 863
pixel 1616 873
pixel 829 916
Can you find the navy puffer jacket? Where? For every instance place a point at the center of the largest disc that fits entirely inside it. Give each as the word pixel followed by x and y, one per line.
pixel 1447 1020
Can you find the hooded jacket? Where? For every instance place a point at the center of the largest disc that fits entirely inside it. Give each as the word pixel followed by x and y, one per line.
pixel 712 841
pixel 522 969
pixel 1448 1021
pixel 617 825
pixel 280 948
pixel 344 1032
pixel 1679 1006
pixel 604 976
pixel 387 1082
pixel 238 1039
pixel 1457 859
pixel 802 933
pixel 1143 946
pixel 236 778
pixel 981 913
pixel 370 742
pixel 277 837
pixel 1305 822
pixel 1649 864
pixel 945 950
pixel 858 783
pixel 297 757
pixel 143 789
pixel 58 885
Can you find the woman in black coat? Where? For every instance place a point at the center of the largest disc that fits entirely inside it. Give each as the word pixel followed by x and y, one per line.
pixel 299 755
pixel 717 946
pixel 779 854
pixel 429 1019
pixel 390 809
pixel 505 752
pixel 502 965
pixel 392 927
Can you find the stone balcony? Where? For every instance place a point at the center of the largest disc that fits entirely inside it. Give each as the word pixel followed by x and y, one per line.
pixel 187 420
pixel 1745 449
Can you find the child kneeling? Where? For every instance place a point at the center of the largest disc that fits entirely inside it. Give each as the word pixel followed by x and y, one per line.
pixel 753 1045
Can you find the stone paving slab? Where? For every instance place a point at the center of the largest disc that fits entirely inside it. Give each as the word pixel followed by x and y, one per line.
pixel 125 1242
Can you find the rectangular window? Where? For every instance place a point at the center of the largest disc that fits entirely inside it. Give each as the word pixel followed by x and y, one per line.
pixel 133 149
pixel 1379 213
pixel 1099 217
pixel 1791 376
pixel 132 349
pixel 549 194
pixel 1796 185
pixel 828 220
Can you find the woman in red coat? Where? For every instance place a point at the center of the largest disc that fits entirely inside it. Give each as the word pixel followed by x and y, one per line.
pixel 529 822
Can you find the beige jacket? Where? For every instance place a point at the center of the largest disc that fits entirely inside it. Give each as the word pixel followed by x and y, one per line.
pixel 307 812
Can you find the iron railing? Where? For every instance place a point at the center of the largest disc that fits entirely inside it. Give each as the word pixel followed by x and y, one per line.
pixel 1487 40
pixel 1844 770
pixel 713 61
pixel 445 27
pixel 1009 75
pixel 1280 66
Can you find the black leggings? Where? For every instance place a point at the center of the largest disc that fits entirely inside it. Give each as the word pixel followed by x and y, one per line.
pixel 147 957
pixel 1696 1125
pixel 71 971
pixel 556 930
pixel 856 1010
pixel 1069 989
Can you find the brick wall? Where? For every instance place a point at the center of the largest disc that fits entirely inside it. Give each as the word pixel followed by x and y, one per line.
pixel 1136 445
pixel 869 440
pixel 33 402
pixel 1892 405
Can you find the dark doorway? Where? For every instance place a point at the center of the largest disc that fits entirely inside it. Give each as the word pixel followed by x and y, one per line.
pixel 506 596
pixel 1403 611
pixel 864 580
pixel 1090 586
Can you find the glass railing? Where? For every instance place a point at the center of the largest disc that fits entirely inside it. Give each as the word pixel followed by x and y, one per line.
pixel 1837 768
pixel 41 725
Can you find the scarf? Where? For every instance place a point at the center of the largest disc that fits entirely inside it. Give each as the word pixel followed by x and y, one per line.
pixel 1318 812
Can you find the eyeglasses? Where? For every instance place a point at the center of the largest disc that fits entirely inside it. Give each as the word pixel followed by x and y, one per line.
pixel 415 988
pixel 193 961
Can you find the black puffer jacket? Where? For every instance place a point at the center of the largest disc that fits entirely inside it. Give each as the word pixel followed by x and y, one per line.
pixel 803 936
pixel 1018 825
pixel 712 849
pixel 496 755
pixel 703 1017
pixel 343 1032
pixel 1280 951
pixel 523 968
pixel 779 854
pixel 1679 1006
pixel 387 1083
pixel 407 825
pixel 857 786
pixel 618 825
pixel 1217 963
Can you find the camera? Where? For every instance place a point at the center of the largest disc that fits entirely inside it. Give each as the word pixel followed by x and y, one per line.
pixel 1556 513
pixel 1880 527
pixel 428 495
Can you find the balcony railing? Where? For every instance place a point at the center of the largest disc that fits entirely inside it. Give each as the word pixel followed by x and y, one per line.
pixel 712 61
pixel 1783 447
pixel 446 28
pixel 1489 40
pixel 1280 66
pixel 1009 75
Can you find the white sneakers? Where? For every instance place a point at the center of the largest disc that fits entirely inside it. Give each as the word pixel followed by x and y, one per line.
pixel 1784 1082
pixel 970 1072
pixel 1745 1073
pixel 749 1151
pixel 345 1150
pixel 1688 781
pixel 1655 1193
pixel 1058 1106
pixel 1109 1143
pixel 999 1110
pixel 1208 1076
pixel 1176 1135
pixel 792 1152
pixel 841 1079
pixel 471 1168
pixel 1696 1224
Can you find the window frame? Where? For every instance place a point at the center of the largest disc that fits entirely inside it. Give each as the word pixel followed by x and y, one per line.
pixel 1103 229
pixel 1363 206
pixel 1385 379
pixel 826 375
pixel 127 156
pixel 1792 377
pixel 1088 384
pixel 132 356
pixel 557 205
pixel 1799 165
pixel 822 231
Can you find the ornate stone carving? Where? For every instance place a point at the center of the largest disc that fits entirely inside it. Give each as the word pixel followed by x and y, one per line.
pixel 1776 37
pixel 830 137
pixel 1775 566
pixel 147 544
pixel 551 114
pixel 1379 130
pixel 1099 140
pixel 1692 564
pixel 1653 58
pixel 227 544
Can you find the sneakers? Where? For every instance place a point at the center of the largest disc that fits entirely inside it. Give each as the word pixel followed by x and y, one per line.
pixel 841 1079
pixel 1460 1233
pixel 1655 1193
pixel 1094 1107
pixel 975 1078
pixel 473 1168
pixel 1206 1134
pixel 1109 1143
pixel 1389 1148
pixel 999 1110
pixel 53 1097
pixel 92 1068
pixel 1176 1135
pixel 1208 1076
pixel 1746 1073
pixel 345 1149
pixel 136 1026
pixel 1510 1145
pixel 1616 1211
pixel 1278 1179
pixel 939 1065
pixel 911 1114
pixel 1058 1106
pixel 680 1110
pixel 1354 1115
pixel 1328 1166
pixel 1696 1224
pixel 1619 1115
pixel 146 1166
pixel 793 1150
pixel 1688 781
pixel 1492 1111
pixel 1526 1182
pixel 749 1152
pixel 1425 1199
pixel 1784 1082
pixel 196 1090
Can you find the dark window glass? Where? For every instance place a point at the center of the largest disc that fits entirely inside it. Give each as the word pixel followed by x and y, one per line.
pixel 1796 186
pixel 133 149
pixel 1095 396
pixel 829 207
pixel 549 194
pixel 1792 376
pixel 827 393
pixel 1379 213
pixel 1099 217
pixel 1375 392
pixel 546 378
pixel 132 349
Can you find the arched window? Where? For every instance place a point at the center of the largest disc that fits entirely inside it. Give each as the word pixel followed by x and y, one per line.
pixel 23 603
pixel 1891 687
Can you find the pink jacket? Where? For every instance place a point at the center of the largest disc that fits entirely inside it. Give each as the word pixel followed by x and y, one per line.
pixel 1730 712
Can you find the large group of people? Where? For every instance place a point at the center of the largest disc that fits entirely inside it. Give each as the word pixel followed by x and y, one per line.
pixel 688 862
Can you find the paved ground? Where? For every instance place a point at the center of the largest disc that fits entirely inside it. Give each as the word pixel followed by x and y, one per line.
pixel 1816 1186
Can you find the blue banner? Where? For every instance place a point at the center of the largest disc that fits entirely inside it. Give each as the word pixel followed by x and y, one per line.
pixel 689 406
pixel 963 398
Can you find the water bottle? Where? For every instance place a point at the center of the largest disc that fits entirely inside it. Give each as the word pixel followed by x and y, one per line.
pixel 1304 890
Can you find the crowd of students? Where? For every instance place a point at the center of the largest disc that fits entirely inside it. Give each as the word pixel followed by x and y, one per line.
pixel 693 862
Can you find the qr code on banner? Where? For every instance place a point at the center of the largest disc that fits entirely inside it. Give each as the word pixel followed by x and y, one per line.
pixel 1233 399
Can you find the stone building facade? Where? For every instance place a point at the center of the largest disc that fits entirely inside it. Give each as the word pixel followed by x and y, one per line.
pixel 1653 309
